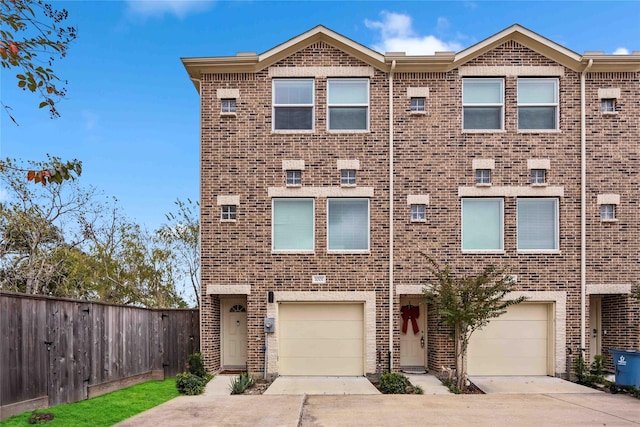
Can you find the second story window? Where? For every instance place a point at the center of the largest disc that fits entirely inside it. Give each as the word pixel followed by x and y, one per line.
pixel 608 105
pixel 482 104
pixel 348 104
pixel 537 104
pixel 607 212
pixel 483 176
pixel 228 106
pixel 348 177
pixel 228 213
pixel 417 105
pixel 294 178
pixel 418 213
pixel 538 176
pixel 293 104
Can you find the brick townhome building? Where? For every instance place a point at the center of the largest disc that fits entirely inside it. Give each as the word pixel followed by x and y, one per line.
pixel 327 168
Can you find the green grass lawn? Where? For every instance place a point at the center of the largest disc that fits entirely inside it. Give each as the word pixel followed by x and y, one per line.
pixel 108 409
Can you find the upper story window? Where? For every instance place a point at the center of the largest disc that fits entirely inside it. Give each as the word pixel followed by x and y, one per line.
pixel 348 177
pixel 292 225
pixel 348 225
pixel 538 176
pixel 228 212
pixel 348 104
pixel 608 105
pixel 483 176
pixel 537 224
pixel 294 178
pixel 608 212
pixel 482 224
pixel 537 104
pixel 293 104
pixel 418 213
pixel 417 104
pixel 482 104
pixel 228 106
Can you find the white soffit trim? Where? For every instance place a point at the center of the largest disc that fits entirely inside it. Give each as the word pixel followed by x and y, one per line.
pixel 608 288
pixel 511 71
pixel 539 164
pixel 295 165
pixel 228 93
pixel 321 72
pixel 348 164
pixel 609 93
pixel 418 199
pixel 417 92
pixel 483 164
pixel 320 191
pixel 228 289
pixel 228 200
pixel 608 199
pixel 509 191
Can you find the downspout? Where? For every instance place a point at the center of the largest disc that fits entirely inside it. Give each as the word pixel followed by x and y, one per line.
pixel 393 67
pixel 583 209
pixel 199 197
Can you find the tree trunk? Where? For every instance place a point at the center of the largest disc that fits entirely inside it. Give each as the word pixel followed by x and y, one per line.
pixel 460 359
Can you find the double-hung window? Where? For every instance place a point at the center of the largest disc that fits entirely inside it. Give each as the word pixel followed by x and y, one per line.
pixel 294 178
pixel 348 177
pixel 538 227
pixel 348 224
pixel 293 225
pixel 228 105
pixel 537 103
pixel 348 104
pixel 293 104
pixel 482 224
pixel 482 104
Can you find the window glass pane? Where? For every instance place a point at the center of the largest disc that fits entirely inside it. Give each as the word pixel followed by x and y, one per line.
pixel 348 91
pixel 293 118
pixel 537 224
pixel 537 91
pixel 481 224
pixel 348 118
pixel 536 117
pixel 348 224
pixel 293 91
pixel 482 118
pixel 482 91
pixel 293 224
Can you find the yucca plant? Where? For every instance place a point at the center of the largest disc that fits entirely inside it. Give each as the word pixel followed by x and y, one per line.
pixel 240 383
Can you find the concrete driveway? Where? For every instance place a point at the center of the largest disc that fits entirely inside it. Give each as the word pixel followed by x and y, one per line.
pixel 312 385
pixel 528 385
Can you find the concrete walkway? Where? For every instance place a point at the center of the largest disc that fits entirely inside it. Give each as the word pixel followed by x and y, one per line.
pixel 429 383
pixel 219 386
pixel 321 385
pixel 529 385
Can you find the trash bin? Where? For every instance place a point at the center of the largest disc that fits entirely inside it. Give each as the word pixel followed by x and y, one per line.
pixel 627 364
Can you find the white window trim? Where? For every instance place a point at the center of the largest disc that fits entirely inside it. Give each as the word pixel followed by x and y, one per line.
pixel 351 251
pixel 313 224
pixel 538 184
pixel 228 113
pixel 501 104
pixel 554 104
pixel 286 178
pixel 368 105
pixel 614 219
pixel 312 106
pixel 235 214
pixel 418 111
pixel 424 211
pixel 348 184
pixel 482 251
pixel 557 231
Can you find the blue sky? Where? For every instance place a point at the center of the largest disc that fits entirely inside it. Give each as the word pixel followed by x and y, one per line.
pixel 131 113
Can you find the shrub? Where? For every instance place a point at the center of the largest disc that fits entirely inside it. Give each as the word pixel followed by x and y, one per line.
pixel 190 384
pixel 241 383
pixel 393 383
pixel 196 365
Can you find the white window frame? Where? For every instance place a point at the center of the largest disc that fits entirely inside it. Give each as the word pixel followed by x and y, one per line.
pixel 276 105
pixel 228 105
pixel 293 178
pixel 608 105
pixel 348 177
pixel 480 105
pixel 490 250
pixel 556 231
pixel 418 213
pixel 313 225
pixel 367 250
pixel 555 104
pixel 228 213
pixel 483 177
pixel 418 104
pixel 538 177
pixel 607 212
pixel 366 105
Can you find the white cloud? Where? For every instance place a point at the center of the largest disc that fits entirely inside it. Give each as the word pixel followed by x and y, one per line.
pixel 621 51
pixel 157 8
pixel 397 35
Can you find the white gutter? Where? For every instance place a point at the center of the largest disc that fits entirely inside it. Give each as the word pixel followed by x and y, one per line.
pixel 583 209
pixel 200 197
pixel 391 322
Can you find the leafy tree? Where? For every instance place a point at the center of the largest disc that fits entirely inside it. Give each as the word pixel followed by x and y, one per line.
pixel 182 237
pixel 467 304
pixel 33 36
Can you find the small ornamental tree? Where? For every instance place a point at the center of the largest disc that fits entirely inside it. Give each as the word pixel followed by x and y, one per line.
pixel 467 304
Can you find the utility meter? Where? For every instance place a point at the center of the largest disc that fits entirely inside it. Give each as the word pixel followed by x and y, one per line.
pixel 269 324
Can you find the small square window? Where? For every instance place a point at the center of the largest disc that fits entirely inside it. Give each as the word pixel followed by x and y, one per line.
pixel 417 105
pixel 608 105
pixel 607 212
pixel 538 176
pixel 228 213
pixel 348 177
pixel 228 105
pixel 294 178
pixel 483 176
pixel 418 213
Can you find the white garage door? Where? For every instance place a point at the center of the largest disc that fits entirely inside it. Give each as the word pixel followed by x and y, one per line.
pixel 516 343
pixel 321 339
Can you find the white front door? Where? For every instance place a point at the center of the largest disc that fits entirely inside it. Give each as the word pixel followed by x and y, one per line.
pixel 234 332
pixel 595 326
pixel 412 344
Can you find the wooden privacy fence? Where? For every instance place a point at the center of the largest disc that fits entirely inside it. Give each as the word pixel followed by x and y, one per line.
pixel 55 351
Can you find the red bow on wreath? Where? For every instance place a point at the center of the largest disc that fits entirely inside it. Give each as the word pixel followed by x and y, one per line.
pixel 410 312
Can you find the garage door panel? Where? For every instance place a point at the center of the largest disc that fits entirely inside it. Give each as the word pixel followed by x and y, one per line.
pixel 515 330
pixel 321 339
